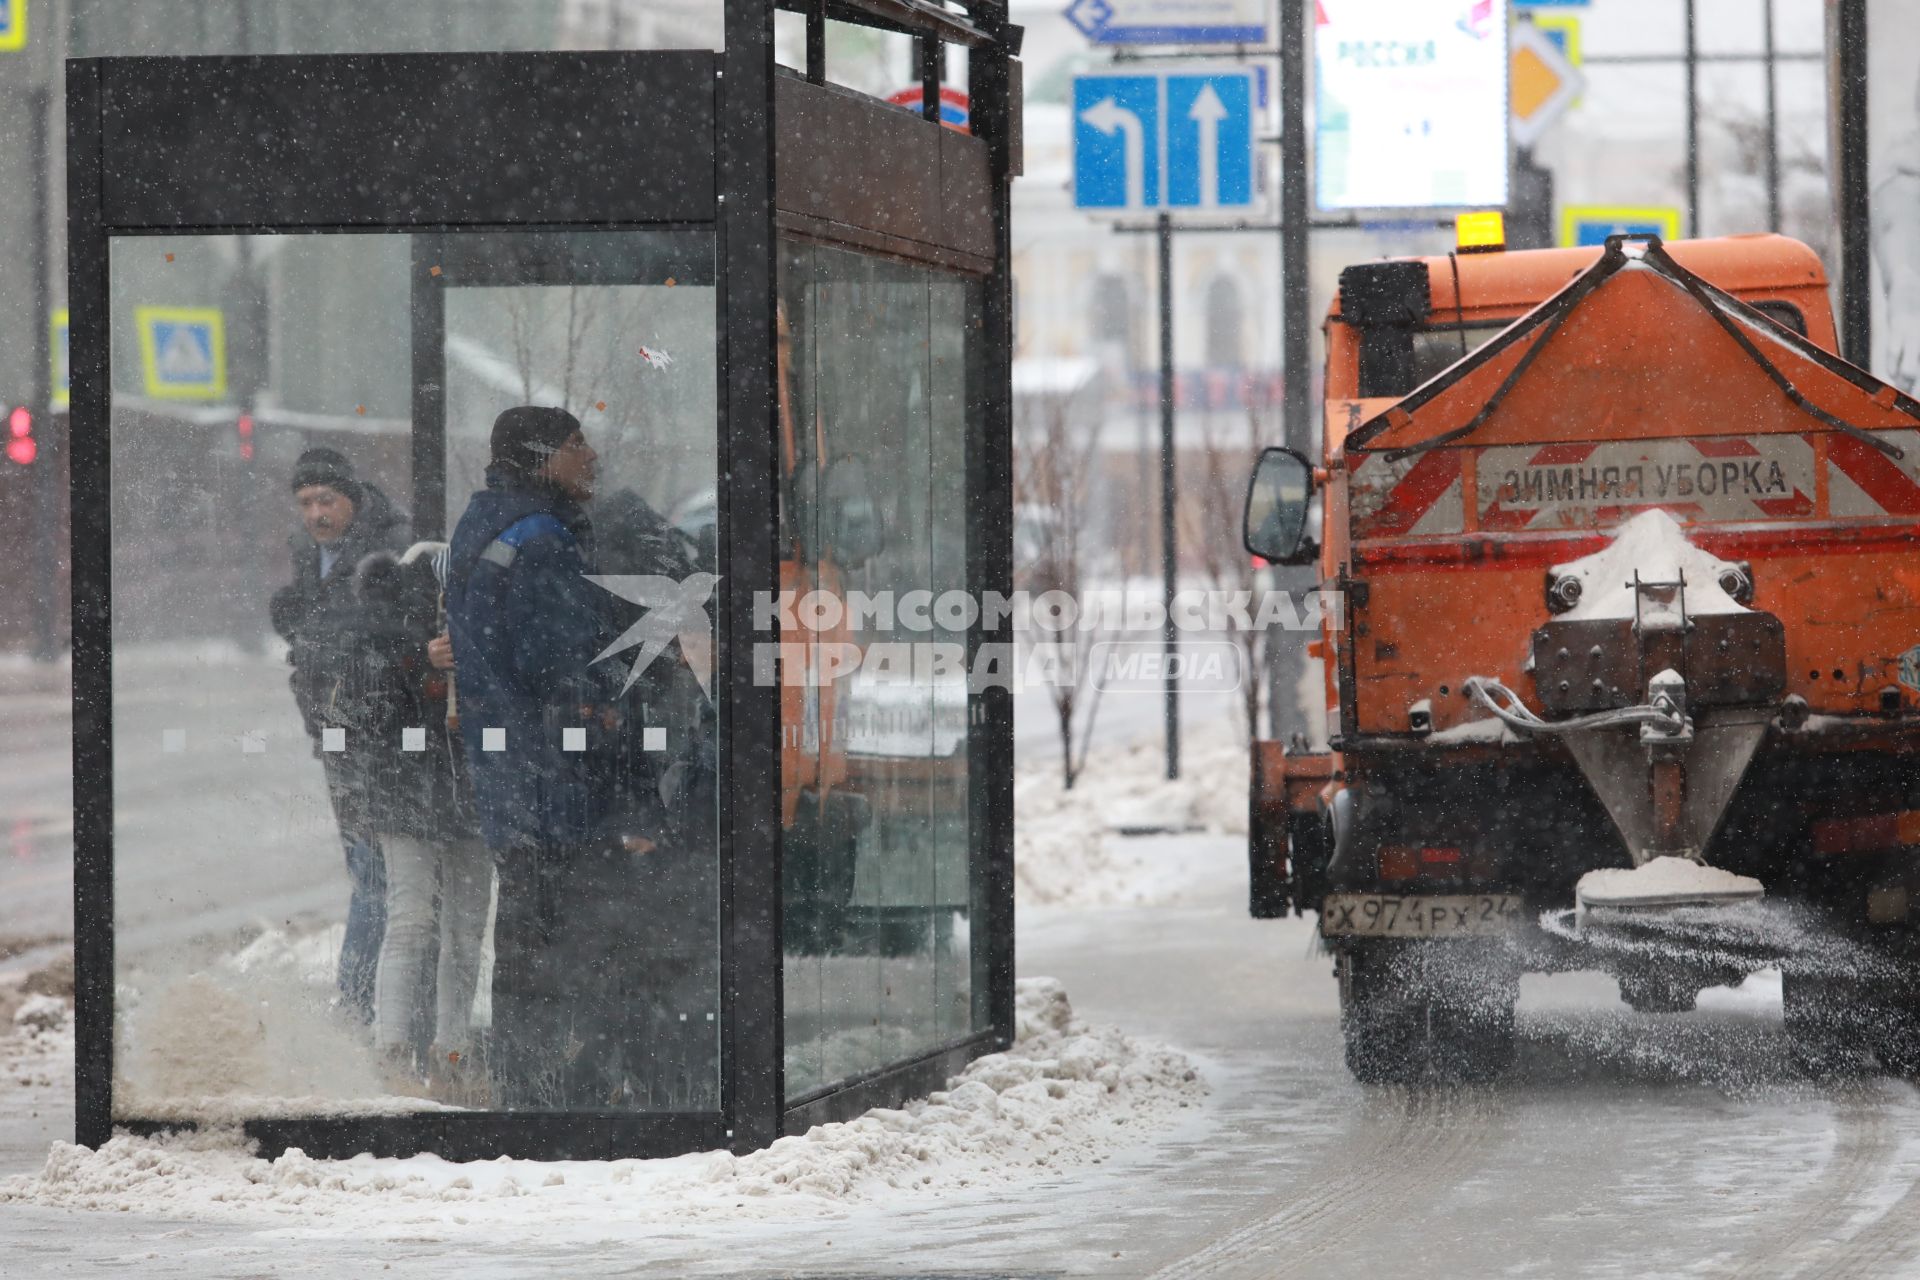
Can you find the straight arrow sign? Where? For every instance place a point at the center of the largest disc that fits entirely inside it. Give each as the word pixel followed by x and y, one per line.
pixel 1206 113
pixel 1210 148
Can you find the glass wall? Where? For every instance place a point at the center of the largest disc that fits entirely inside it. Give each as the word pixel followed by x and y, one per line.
pixel 874 699
pixel 400 825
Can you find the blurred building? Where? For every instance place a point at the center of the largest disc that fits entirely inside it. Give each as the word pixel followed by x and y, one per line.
pixel 268 298
pixel 1084 292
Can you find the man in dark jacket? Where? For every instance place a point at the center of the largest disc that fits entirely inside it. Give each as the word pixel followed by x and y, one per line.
pixel 343 519
pixel 596 839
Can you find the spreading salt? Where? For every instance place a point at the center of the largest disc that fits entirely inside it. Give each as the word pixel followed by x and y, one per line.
pixel 1664 880
pixel 1654 545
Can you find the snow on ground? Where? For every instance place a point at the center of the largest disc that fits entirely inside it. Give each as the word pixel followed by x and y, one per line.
pixel 1066 1095
pixel 39 1051
pixel 1068 846
pixel 1069 1103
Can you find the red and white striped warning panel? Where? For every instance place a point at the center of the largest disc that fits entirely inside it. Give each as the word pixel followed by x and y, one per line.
pixel 1711 479
pixel 1705 480
pixel 1863 481
pixel 1408 496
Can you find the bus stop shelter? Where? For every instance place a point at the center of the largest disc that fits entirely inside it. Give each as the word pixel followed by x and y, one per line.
pixel 779 310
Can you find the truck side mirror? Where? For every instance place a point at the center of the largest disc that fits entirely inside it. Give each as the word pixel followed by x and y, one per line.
pixel 1276 517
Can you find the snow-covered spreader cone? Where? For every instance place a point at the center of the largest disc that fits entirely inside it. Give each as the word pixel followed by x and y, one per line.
pixel 1659 885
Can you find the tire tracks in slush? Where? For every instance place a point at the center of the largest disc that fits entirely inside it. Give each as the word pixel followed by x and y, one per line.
pixel 1804 1244
pixel 1405 1142
pixel 1886 1245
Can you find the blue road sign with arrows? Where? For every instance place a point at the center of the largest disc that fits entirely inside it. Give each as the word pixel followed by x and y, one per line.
pixel 1176 139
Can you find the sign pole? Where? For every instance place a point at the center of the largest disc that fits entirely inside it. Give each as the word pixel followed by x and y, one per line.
pixel 1296 425
pixel 1848 111
pixel 1773 117
pixel 1530 225
pixel 1693 121
pixel 1295 323
pixel 46 499
pixel 1169 549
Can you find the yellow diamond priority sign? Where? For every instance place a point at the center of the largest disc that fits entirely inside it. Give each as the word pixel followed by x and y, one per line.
pixel 13 25
pixel 1542 83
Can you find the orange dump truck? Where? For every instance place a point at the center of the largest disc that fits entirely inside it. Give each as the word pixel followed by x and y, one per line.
pixel 1628 670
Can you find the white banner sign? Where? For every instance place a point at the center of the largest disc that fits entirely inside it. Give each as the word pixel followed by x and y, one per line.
pixel 1410 104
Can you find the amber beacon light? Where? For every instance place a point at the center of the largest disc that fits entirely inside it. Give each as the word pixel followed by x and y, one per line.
pixel 1481 232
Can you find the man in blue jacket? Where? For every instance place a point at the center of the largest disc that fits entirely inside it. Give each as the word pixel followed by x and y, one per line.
pixel 568 799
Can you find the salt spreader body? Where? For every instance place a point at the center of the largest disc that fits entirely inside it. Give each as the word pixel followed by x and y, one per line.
pixel 1630 568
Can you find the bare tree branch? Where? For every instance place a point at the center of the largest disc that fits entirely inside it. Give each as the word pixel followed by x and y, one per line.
pixel 1052 474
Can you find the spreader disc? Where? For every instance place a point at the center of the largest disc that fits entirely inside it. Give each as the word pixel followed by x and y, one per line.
pixel 1664 882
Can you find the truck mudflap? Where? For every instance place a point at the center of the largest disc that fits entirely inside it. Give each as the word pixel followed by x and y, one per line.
pixel 1289 840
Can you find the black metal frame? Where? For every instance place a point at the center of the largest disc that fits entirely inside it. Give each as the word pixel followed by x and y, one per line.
pixel 917 222
pixel 592 141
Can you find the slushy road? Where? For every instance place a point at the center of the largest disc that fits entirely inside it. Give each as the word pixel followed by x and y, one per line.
pixel 1621 1145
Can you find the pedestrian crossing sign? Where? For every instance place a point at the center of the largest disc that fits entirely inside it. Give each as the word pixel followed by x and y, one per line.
pixel 13 25
pixel 57 349
pixel 1589 225
pixel 183 351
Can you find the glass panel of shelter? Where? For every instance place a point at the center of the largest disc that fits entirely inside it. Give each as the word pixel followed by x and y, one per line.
pixel 310 807
pixel 875 703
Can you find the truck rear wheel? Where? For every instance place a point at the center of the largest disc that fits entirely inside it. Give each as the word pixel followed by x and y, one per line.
pixel 1828 1024
pixel 1473 1042
pixel 1377 1021
pixel 1406 1016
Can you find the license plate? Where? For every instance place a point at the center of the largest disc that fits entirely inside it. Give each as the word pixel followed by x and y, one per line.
pixel 1386 915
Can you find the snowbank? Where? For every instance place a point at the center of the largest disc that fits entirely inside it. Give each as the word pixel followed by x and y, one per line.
pixel 39 1052
pixel 1654 544
pixel 1663 880
pixel 1065 845
pixel 1065 1095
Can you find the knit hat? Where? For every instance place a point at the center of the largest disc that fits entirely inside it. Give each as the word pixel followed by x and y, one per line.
pixel 330 468
pixel 524 437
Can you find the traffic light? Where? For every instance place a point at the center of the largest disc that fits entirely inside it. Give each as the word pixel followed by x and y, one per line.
pixel 21 446
pixel 243 429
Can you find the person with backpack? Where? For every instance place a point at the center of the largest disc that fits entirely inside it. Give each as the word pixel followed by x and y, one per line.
pixel 595 838
pixel 419 804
